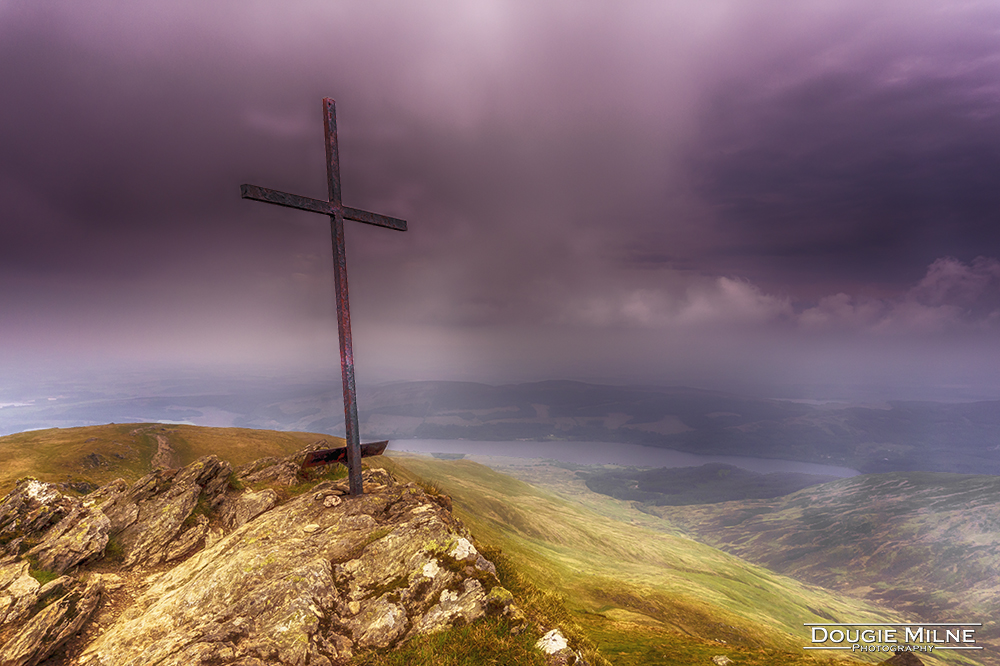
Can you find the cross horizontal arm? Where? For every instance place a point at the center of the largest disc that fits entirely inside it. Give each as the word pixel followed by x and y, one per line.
pixel 374 218
pixel 268 195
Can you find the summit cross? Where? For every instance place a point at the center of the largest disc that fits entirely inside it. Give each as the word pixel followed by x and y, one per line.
pixel 338 212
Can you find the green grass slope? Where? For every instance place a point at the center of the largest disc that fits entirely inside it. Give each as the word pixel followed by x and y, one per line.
pixel 99 454
pixel 645 596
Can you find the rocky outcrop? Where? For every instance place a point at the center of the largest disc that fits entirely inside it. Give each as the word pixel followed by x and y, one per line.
pixel 307 582
pixel 207 565
pixel 55 624
pixel 81 535
pixel 248 506
pixel 29 510
pixel 18 593
pixel 147 518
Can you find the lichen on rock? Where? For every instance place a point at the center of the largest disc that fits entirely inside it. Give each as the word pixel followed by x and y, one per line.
pixel 51 627
pixel 81 535
pixel 27 512
pixel 150 515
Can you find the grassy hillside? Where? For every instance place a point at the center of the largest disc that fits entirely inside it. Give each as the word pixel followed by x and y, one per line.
pixel 99 454
pixel 646 597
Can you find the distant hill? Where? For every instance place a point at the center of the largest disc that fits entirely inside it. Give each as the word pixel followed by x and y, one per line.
pixel 707 484
pixel 896 436
pixel 920 542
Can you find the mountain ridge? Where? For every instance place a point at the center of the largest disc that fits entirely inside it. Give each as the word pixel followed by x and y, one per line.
pixel 922 542
pixel 673 597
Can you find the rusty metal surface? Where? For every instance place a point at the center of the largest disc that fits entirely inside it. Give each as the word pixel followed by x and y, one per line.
pixel 375 219
pixel 338 213
pixel 279 198
pixel 328 456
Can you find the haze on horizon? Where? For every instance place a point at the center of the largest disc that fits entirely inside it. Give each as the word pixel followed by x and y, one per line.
pixel 718 194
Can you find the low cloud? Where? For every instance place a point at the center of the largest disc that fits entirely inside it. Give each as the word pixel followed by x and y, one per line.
pixel 952 296
pixel 842 311
pixel 702 302
pixel 948 281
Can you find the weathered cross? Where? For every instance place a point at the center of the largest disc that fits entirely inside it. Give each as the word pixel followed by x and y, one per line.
pixel 338 213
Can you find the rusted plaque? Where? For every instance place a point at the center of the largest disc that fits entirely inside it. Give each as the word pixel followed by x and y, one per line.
pixel 327 456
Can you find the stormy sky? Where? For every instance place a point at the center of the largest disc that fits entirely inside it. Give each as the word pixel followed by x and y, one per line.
pixel 714 193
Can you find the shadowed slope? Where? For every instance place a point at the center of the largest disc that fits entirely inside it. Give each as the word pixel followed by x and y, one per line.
pixel 921 542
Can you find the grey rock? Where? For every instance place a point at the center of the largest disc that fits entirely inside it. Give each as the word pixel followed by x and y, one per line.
pixel 112 582
pixel 51 627
pixel 108 499
pixel 152 513
pixel 55 587
pixel 29 510
pixel 248 506
pixel 283 472
pixel 188 541
pixel 18 593
pixel 213 536
pixel 82 534
pixel 557 650
pixel 270 470
pixel 372 571
pixel 467 604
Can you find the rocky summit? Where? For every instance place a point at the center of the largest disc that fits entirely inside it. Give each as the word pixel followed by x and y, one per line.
pixel 211 565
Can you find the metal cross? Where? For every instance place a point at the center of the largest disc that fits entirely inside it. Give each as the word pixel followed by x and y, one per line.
pixel 338 213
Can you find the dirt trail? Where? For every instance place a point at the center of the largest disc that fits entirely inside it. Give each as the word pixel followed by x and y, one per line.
pixel 165 456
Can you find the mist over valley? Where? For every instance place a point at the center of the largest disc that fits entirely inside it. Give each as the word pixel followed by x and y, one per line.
pixel 893 435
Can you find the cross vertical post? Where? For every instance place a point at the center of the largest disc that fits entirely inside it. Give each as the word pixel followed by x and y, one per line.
pixel 335 208
pixel 343 303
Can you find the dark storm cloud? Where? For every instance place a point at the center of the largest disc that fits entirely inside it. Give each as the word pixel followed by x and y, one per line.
pixel 686 173
pixel 102 158
pixel 863 163
pixel 133 124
